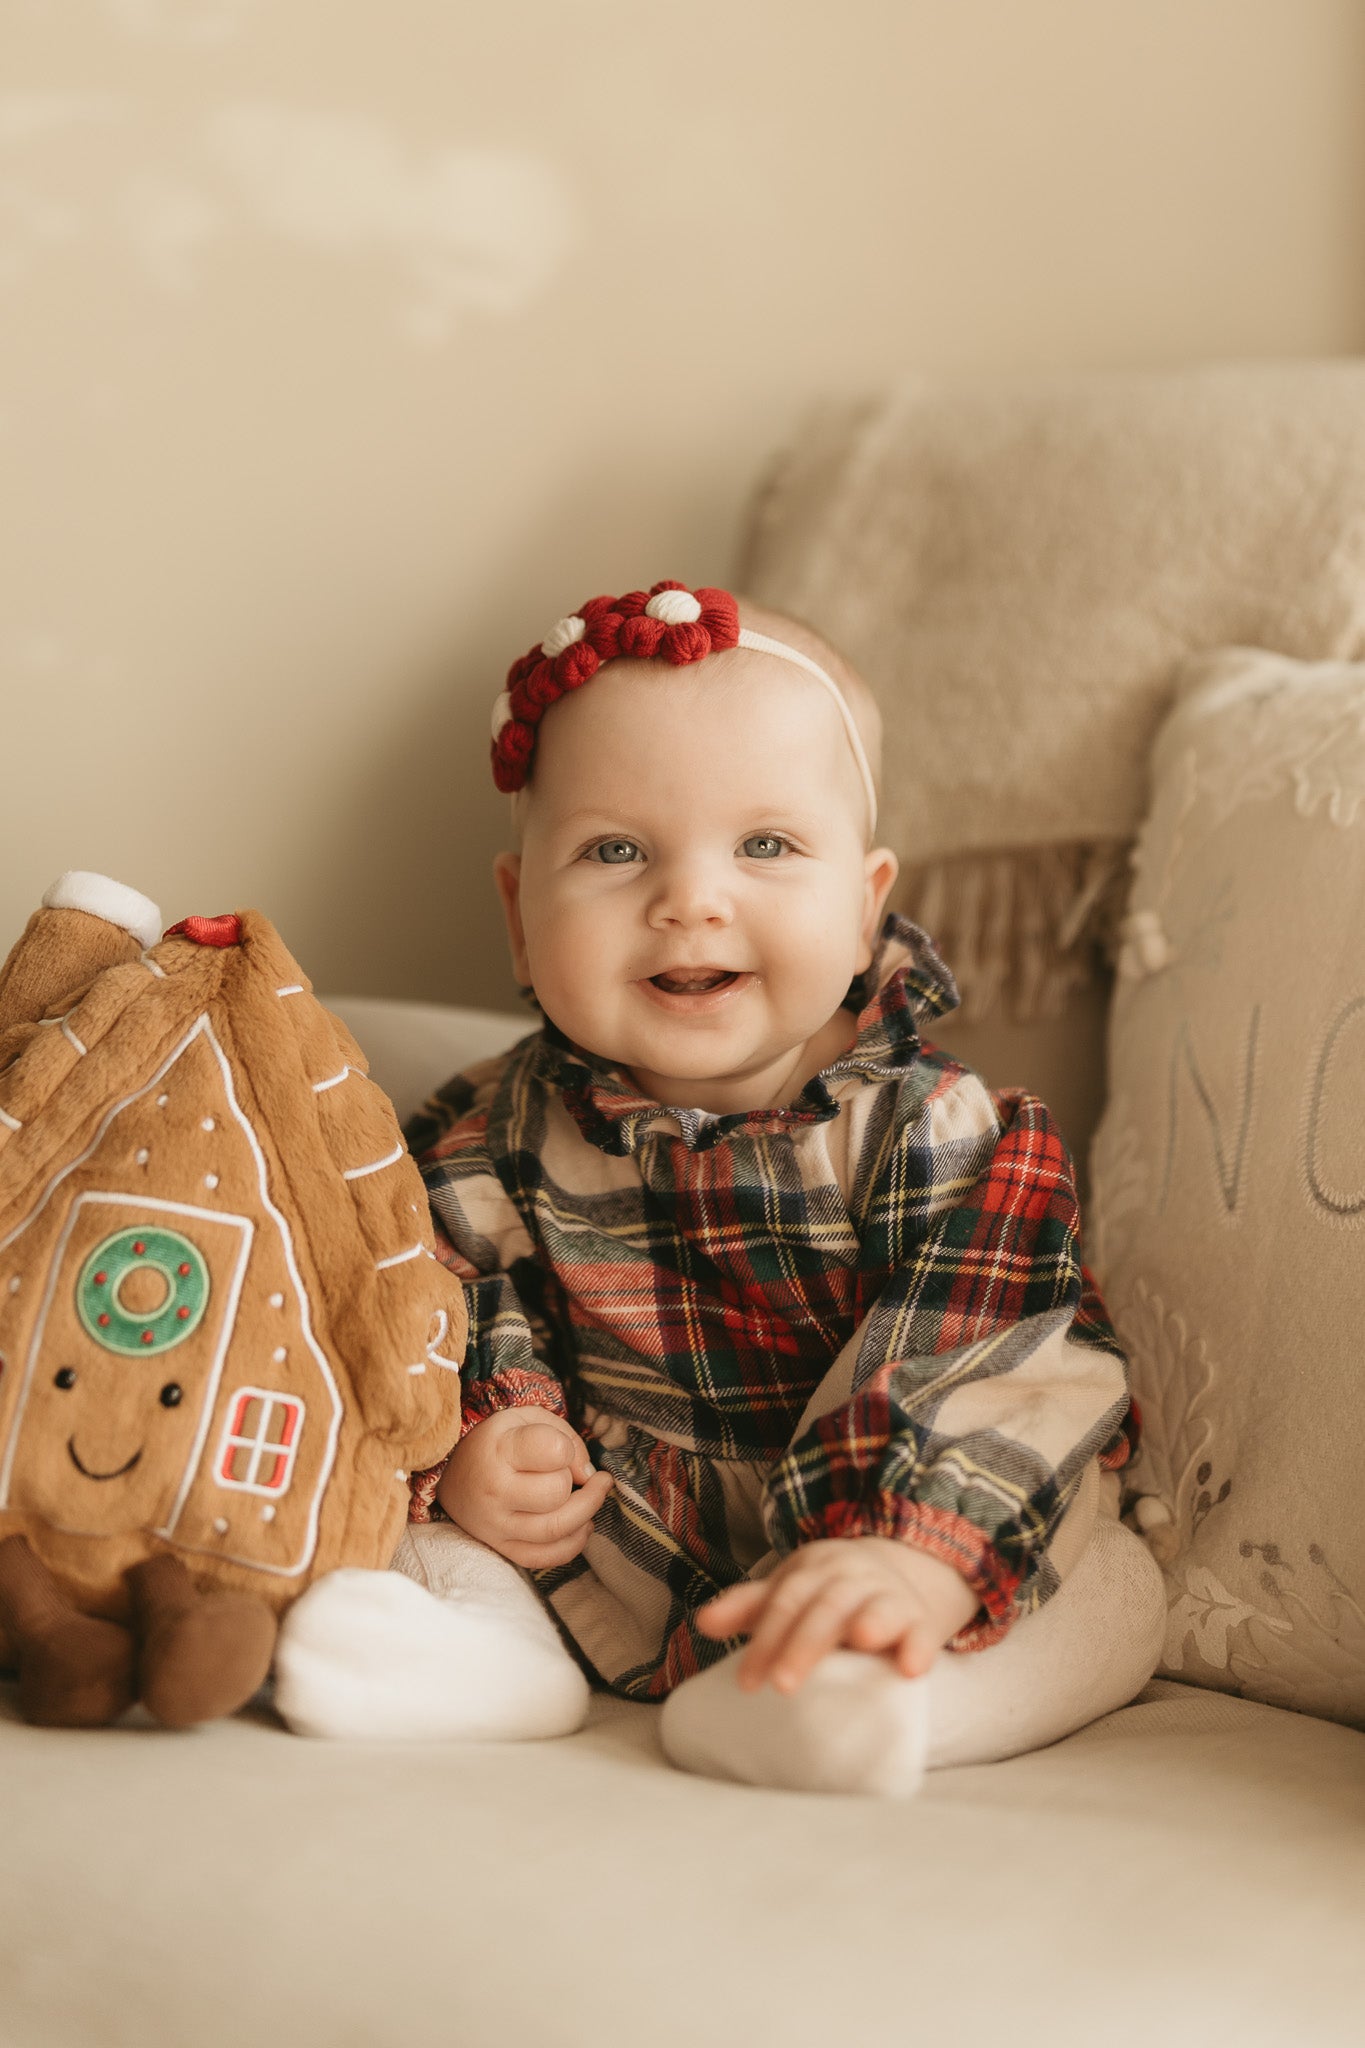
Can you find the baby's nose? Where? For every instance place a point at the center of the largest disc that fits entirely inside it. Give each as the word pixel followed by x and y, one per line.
pixel 691 893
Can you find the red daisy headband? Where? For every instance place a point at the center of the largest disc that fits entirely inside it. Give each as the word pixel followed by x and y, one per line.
pixel 668 623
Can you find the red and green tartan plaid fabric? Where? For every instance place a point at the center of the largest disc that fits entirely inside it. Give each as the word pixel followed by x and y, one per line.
pixel 867 1312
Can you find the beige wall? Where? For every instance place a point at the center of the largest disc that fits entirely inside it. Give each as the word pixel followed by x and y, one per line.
pixel 347 344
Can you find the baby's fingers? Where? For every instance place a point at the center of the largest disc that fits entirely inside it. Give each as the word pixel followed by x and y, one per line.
pixel 879 1624
pixel 789 1651
pixel 536 1493
pixel 542 1447
pixel 733 1612
pixel 917 1649
pixel 539 1526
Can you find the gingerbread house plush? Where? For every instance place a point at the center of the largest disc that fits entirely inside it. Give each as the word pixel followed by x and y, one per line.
pixel 224 1336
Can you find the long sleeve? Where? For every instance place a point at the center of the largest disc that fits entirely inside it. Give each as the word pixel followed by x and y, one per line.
pixel 479 1235
pixel 984 1378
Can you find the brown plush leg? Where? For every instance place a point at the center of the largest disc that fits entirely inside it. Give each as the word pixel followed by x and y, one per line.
pixel 200 1654
pixel 75 1671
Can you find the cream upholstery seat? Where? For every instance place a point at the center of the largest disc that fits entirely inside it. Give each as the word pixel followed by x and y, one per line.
pixel 1189 1870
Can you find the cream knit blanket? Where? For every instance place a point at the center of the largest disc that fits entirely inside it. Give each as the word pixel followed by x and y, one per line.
pixel 1019 569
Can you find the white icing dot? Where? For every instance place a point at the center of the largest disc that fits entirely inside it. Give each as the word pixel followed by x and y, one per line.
pixel 674 607
pixel 268 1512
pixel 279 1354
pixel 162 1100
pixel 277 1301
pixel 207 1124
pixel 15 1284
pixel 401 1475
pixel 143 1156
pixel 210 1180
pixel 220 1527
pixel 565 633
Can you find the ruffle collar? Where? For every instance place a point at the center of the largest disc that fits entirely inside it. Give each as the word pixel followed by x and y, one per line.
pixel 906 984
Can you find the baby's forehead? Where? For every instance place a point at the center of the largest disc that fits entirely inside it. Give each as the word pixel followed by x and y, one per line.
pixel 744 731
pixel 742 707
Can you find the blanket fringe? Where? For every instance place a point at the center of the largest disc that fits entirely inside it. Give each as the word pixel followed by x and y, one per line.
pixel 1022 930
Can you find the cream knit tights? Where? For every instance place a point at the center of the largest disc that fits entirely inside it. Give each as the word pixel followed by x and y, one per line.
pixel 372 1655
pixel 856 1726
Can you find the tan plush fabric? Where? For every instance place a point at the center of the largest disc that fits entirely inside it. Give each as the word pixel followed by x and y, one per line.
pixel 1188 1870
pixel 1018 569
pixel 221 1326
pixel 1228 1227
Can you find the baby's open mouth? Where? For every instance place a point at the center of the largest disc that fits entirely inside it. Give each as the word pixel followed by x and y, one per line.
pixel 695 981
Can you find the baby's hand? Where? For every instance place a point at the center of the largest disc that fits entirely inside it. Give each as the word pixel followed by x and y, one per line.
pixel 511 1482
pixel 850 1592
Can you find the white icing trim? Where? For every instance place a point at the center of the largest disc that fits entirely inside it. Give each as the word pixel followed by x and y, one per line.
pixel 102 897
pixel 287 1244
pixel 11 1123
pixel 72 1039
pixel 375 1165
pixel 450 1364
pixel 202 1027
pixel 399 1258
pixel 333 1081
pixel 153 966
pixel 268 1397
pixel 763 644
pixel 291 988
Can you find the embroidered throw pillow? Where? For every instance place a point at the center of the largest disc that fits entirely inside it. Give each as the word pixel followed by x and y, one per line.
pixel 1228 1224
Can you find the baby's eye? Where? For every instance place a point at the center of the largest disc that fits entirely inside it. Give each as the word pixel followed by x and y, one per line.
pixel 616 852
pixel 764 846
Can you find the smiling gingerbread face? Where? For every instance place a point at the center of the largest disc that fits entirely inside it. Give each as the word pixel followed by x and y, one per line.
pixel 123 1364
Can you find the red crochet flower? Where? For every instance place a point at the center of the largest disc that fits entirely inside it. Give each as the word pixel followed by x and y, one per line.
pixel 644 625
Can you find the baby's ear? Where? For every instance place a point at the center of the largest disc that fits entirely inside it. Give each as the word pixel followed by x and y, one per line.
pixel 879 873
pixel 507 878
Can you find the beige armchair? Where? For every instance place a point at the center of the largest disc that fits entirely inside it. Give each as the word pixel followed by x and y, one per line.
pixel 1189 1869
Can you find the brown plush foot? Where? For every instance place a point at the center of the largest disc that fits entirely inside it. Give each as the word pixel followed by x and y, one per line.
pixel 201 1655
pixel 75 1671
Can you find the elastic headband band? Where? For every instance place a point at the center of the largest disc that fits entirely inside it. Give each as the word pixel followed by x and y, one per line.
pixel 764 645
pixel 668 623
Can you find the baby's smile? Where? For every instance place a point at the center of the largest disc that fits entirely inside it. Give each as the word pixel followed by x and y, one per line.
pixel 694 894
pixel 689 991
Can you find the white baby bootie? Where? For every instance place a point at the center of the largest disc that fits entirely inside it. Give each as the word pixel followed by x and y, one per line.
pixel 854 1726
pixel 451 1644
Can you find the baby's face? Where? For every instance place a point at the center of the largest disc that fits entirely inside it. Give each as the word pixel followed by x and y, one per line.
pixel 694 892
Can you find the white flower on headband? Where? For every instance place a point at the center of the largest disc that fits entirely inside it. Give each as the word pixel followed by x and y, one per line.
pixel 564 633
pixel 673 608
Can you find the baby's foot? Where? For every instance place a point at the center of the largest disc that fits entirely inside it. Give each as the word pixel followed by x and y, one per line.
pixel 376 1656
pixel 855 1725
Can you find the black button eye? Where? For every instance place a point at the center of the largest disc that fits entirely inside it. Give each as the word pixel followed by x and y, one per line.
pixel 65 1379
pixel 171 1395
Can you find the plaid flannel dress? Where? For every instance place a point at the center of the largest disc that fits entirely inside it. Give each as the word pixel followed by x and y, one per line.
pixel 861 1314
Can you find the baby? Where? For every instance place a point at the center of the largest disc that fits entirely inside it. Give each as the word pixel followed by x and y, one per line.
pixel 778 1323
